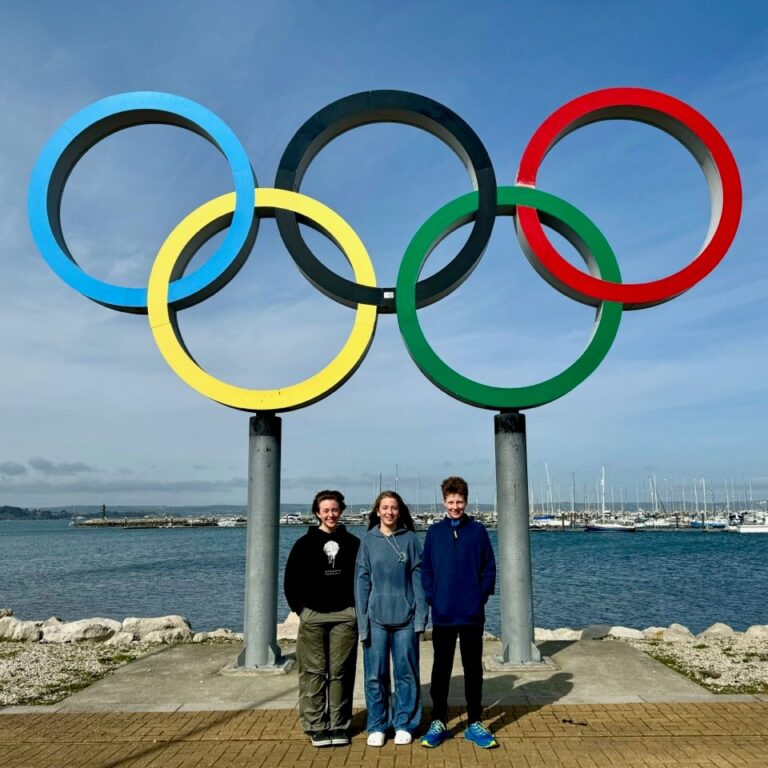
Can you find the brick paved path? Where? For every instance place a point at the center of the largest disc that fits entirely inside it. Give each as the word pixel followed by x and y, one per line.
pixel 711 735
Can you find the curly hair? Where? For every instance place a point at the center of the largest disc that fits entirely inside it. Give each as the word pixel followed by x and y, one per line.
pixel 455 485
pixel 404 519
pixel 328 496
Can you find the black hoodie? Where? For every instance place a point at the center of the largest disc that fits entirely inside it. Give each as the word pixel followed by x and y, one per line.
pixel 320 572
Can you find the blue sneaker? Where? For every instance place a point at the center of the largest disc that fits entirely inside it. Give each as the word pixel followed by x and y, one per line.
pixel 436 734
pixel 479 735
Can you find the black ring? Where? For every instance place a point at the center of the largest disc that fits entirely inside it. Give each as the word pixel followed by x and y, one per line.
pixel 387 107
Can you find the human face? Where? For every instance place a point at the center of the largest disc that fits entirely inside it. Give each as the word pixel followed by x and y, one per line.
pixel 389 511
pixel 329 515
pixel 454 504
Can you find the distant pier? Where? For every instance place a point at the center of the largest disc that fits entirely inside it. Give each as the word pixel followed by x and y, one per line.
pixel 146 522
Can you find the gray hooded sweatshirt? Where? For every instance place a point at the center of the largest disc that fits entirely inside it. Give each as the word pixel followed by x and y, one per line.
pixel 388 589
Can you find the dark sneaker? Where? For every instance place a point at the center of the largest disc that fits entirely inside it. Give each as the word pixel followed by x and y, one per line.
pixel 479 735
pixel 436 734
pixel 321 739
pixel 339 737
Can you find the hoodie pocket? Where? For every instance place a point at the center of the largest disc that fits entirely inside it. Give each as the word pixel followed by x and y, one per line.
pixel 391 610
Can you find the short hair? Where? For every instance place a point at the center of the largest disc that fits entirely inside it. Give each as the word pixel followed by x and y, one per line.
pixel 455 485
pixel 327 495
pixel 404 519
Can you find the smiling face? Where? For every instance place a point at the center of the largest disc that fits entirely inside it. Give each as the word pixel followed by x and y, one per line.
pixel 389 512
pixel 329 514
pixel 454 504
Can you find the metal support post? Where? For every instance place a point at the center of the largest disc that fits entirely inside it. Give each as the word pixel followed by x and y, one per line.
pixel 262 543
pixel 514 541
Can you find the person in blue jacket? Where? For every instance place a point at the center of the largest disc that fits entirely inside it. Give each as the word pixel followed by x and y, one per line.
pixel 391 614
pixel 458 572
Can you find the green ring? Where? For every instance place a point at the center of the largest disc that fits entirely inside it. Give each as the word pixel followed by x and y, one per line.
pixel 554 213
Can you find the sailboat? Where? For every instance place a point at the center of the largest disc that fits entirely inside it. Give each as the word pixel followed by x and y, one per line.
pixel 604 525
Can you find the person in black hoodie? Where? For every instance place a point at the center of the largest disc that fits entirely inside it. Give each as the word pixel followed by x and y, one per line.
pixel 319 587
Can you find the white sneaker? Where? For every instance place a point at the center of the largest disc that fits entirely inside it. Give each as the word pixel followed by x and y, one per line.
pixel 403 737
pixel 376 739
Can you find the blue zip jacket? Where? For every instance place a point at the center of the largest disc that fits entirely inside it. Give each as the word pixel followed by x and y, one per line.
pixel 388 588
pixel 458 572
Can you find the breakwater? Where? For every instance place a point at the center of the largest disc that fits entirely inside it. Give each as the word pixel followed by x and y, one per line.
pixel 145 522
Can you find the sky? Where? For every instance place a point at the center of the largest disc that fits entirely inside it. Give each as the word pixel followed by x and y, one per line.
pixel 90 413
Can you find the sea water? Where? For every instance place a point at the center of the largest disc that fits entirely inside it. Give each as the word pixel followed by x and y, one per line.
pixel 636 580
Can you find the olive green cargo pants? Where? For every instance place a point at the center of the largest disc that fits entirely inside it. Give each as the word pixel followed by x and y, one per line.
pixel 326 652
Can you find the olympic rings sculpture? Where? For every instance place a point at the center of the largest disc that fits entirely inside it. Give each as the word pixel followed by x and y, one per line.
pixel 170 289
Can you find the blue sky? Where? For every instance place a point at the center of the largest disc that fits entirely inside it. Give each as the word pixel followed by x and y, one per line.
pixel 90 412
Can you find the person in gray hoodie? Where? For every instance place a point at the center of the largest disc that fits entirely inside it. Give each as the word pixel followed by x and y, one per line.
pixel 391 614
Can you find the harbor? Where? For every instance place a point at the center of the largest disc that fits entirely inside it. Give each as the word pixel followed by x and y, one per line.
pixel 747 521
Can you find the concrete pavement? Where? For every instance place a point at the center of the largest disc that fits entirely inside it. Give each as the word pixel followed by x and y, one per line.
pixel 195 677
pixel 599 703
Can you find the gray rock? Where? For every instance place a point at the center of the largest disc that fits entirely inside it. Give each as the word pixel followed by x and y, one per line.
pixel 169 636
pixel 716 630
pixel 289 629
pixel 625 633
pixel 595 632
pixel 677 633
pixel 566 633
pixel 542 635
pixel 120 640
pixel 13 629
pixel 654 633
pixel 140 628
pixel 6 612
pixel 76 631
pixel 217 634
pixel 757 632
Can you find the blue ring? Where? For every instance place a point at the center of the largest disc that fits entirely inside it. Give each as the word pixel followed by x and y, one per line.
pixel 94 123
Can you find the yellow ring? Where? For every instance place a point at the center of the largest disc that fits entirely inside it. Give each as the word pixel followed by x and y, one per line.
pixel 161 317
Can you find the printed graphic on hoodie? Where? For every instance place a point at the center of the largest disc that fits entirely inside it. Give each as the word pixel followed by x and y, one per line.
pixel 331 549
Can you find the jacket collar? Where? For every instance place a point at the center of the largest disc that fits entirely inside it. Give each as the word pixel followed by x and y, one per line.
pixel 463 520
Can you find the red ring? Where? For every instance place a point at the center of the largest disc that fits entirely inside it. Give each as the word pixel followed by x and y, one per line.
pixel 682 122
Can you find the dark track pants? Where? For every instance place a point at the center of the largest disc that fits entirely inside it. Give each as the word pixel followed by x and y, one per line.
pixel 471 649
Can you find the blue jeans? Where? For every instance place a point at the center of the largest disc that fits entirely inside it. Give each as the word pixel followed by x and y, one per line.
pixel 403 710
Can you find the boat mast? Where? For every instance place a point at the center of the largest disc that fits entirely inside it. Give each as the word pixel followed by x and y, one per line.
pixel 550 501
pixel 418 493
pixel 602 492
pixel 695 499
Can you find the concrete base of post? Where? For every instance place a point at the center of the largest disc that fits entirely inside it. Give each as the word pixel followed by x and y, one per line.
pixel 516 583
pixel 497 664
pixel 239 667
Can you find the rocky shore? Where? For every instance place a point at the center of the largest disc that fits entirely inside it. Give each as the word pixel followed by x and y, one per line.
pixel 42 662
